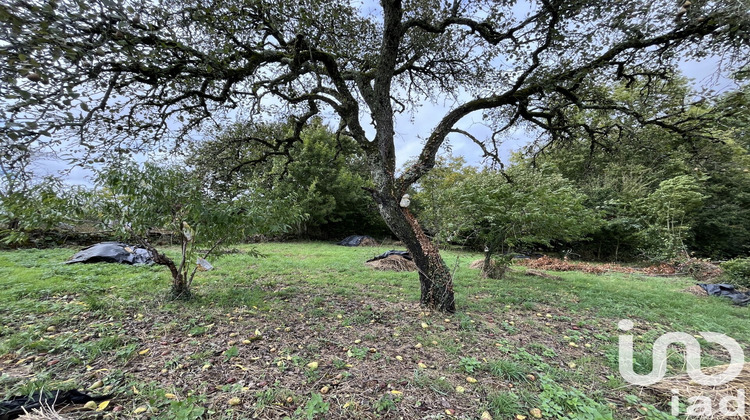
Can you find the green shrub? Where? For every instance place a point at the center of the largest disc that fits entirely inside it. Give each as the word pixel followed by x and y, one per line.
pixel 737 271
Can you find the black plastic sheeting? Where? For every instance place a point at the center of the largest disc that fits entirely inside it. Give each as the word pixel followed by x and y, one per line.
pixel 353 240
pixel 17 406
pixel 387 254
pixel 112 252
pixel 727 290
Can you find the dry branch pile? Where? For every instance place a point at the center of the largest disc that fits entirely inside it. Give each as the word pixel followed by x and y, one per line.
pixel 556 264
pixel 369 242
pixel 696 290
pixel 477 264
pixel 688 388
pixel 393 263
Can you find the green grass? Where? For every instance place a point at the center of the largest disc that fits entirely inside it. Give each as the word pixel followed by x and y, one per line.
pixel 69 325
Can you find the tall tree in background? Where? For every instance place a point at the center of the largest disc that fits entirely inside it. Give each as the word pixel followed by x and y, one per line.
pixel 127 74
pixel 323 171
pixel 635 173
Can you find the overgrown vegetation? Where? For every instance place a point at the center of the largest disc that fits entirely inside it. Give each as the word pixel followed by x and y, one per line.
pixel 737 271
pixel 310 332
pixel 135 200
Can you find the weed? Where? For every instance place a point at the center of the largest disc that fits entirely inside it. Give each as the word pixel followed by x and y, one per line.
pixel 127 351
pixel 319 302
pixel 202 355
pixel 469 364
pixel 533 360
pixel 231 352
pixel 314 406
pixel 264 399
pixel 565 404
pixel 465 323
pixel 197 331
pixel 339 363
pixel 510 329
pixel 648 411
pixel 358 352
pixel 186 409
pixel 95 303
pixel 385 404
pixel 312 375
pixel 543 350
pixel 439 385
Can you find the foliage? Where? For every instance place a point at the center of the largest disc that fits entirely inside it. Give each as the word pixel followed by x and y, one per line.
pixel 639 184
pixel 737 271
pixel 569 404
pixel 530 207
pixel 666 211
pixel 323 171
pixel 41 206
pixel 314 407
pixel 138 199
pixel 431 194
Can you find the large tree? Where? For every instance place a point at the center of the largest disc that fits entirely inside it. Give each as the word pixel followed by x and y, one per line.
pixel 128 74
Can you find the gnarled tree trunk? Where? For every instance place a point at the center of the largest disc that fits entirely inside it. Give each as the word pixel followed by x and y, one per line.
pixel 180 288
pixel 434 276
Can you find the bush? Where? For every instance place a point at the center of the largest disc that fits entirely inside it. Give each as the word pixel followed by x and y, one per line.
pixel 737 271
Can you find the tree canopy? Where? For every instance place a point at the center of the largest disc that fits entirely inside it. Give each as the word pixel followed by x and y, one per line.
pixel 132 74
pixel 634 174
pixel 323 171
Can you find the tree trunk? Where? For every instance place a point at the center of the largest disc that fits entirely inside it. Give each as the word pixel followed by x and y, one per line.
pixel 434 276
pixel 180 288
pixel 487 265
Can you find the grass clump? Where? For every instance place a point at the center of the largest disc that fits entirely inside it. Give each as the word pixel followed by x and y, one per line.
pixel 504 405
pixel 507 370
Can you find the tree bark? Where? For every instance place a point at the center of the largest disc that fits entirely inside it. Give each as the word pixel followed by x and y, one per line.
pixel 434 276
pixel 180 288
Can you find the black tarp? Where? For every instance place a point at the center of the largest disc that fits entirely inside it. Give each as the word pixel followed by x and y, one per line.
pixel 354 240
pixel 727 290
pixel 387 254
pixel 112 252
pixel 19 405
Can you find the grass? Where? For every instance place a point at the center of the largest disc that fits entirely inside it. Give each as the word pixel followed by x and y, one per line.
pixel 530 343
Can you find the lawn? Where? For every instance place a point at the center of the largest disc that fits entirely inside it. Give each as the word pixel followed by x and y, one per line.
pixel 309 331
